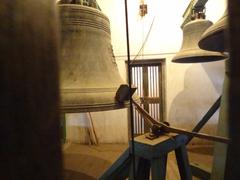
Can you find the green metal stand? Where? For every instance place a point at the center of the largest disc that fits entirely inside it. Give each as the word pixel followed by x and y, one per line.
pixel 151 155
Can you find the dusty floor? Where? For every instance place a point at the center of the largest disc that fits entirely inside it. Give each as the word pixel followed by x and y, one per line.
pixel 88 162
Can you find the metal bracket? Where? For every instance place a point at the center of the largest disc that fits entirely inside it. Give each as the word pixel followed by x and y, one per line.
pixel 194 5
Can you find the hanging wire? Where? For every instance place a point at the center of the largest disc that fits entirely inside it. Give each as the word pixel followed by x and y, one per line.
pixel 150 29
pixel 130 85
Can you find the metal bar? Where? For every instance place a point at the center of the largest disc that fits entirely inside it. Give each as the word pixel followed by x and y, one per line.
pixel 130 87
pixel 166 128
pixel 206 118
pixel 139 87
pixel 151 74
pixel 141 84
pixel 155 80
pixel 137 114
pixel 152 89
pixel 161 102
pixel 145 85
pixel 154 92
pixel 141 94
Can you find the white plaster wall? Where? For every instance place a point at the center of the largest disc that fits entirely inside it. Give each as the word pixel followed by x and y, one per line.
pixel 193 88
pixel 190 88
pixel 191 91
pixel 110 126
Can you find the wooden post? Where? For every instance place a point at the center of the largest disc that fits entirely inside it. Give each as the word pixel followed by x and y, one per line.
pixel 29 126
pixel 162 102
pixel 233 158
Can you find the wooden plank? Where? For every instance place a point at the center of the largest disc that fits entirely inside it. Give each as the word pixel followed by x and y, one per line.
pixel 150 149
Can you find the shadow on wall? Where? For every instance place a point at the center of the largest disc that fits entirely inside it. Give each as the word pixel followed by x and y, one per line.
pixel 215 72
pixel 202 86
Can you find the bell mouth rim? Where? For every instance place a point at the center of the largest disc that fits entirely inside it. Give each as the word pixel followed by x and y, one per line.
pixel 198 59
pixel 215 33
pixel 77 102
pixel 219 44
pixel 213 39
pixel 89 107
pixel 89 90
pixel 92 107
pixel 204 56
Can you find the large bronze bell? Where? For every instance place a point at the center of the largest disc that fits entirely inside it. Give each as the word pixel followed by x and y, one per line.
pixel 213 39
pixel 89 76
pixel 190 51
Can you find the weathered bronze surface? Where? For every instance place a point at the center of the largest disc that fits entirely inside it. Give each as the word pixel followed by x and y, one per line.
pixel 214 38
pixel 190 52
pixel 88 71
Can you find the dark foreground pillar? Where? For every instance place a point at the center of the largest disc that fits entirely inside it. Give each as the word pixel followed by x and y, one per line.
pixel 30 146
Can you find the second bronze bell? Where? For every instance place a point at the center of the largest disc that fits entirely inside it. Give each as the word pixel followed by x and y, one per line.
pixel 190 51
pixel 214 38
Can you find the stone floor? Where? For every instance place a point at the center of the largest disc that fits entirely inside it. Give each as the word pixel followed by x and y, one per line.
pixel 88 162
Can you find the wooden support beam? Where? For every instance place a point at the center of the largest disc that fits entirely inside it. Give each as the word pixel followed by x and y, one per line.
pixel 206 118
pixel 29 107
pixel 233 158
pixel 166 128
